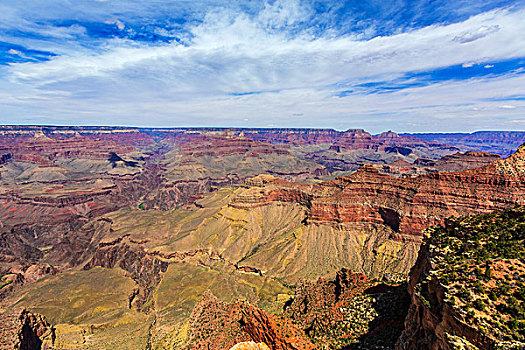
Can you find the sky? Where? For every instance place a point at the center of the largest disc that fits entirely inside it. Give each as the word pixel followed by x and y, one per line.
pixel 402 65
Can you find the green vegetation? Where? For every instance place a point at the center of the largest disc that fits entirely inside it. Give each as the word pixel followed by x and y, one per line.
pixel 480 261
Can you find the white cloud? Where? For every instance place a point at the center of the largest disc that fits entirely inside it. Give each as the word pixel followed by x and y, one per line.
pixel 282 13
pixel 507 107
pixel 237 49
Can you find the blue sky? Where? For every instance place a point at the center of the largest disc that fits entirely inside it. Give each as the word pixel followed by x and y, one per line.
pixel 409 66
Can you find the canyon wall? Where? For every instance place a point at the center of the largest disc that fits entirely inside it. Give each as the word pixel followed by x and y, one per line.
pixel 406 205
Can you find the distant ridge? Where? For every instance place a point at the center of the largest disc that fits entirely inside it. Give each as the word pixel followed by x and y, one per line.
pixel 503 143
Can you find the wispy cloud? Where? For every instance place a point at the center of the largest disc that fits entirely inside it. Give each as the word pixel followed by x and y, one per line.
pixel 479 33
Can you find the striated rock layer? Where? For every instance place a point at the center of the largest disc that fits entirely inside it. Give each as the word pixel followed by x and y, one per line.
pixel 406 205
pixel 452 162
pixel 149 204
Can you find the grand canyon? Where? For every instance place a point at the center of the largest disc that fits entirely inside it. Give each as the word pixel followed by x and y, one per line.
pixel 262 175
pixel 239 238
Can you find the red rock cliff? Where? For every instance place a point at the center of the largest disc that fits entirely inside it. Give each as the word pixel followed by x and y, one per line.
pixel 407 205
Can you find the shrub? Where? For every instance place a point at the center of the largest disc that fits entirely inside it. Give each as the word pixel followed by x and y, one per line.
pixel 479 304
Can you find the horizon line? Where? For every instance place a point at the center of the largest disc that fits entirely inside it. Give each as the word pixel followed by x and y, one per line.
pixel 225 128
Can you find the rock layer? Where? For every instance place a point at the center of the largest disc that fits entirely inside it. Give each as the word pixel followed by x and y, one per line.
pixel 406 205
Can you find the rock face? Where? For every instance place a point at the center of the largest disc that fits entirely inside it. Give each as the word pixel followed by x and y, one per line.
pixel 424 328
pixel 54 172
pixel 143 268
pixel 453 162
pixel 23 330
pixel 340 140
pixel 387 141
pixel 410 205
pixel 464 161
pixel 465 288
pixel 250 345
pixel 279 333
pixel 202 163
pixel 406 205
pixel 294 136
pixel 49 179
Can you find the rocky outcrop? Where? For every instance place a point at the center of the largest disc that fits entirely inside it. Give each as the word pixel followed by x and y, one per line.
pixel 277 332
pixel 277 191
pixel 173 194
pixel 466 288
pixel 350 311
pixel 448 163
pixel 144 268
pixel 318 306
pixel 464 161
pixel 220 325
pixel 5 158
pixel 214 325
pixel 353 139
pixel 24 330
pixel 426 323
pixel 432 323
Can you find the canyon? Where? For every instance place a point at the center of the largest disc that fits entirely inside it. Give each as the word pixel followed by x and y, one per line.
pixel 230 238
